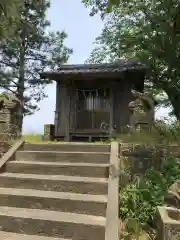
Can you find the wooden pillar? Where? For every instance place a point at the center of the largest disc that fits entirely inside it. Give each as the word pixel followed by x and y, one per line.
pixel 73 108
pixel 56 115
pixel 112 127
pixel 111 121
pixel 67 111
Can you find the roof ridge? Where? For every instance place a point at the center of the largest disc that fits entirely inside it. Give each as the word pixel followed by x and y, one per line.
pixel 117 63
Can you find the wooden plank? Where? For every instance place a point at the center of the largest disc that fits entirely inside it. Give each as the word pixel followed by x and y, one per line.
pixel 61 110
pixel 56 117
pixel 73 108
pixel 111 111
pixel 67 111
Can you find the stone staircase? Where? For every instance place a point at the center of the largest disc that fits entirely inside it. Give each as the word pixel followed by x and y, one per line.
pixel 55 191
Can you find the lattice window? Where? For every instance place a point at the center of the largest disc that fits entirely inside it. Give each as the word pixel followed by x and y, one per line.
pixel 94 99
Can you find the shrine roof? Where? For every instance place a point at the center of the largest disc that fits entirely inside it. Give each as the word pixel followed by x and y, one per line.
pixel 88 69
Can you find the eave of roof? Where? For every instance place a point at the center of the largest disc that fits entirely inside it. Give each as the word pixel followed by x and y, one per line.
pixel 116 67
pixel 117 64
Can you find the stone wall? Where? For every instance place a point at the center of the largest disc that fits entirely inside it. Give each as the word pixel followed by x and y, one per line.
pixel 135 159
pixel 10 107
pixel 9 118
pixel 139 157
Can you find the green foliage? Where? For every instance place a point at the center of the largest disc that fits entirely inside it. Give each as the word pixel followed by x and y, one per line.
pixel 169 133
pixel 133 231
pixel 29 52
pixel 103 6
pixel 146 31
pixel 9 16
pixel 139 199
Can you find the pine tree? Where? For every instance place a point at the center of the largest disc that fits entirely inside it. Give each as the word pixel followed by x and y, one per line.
pixel 9 16
pixel 28 53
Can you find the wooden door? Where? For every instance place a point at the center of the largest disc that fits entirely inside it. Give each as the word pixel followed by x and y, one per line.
pixel 93 108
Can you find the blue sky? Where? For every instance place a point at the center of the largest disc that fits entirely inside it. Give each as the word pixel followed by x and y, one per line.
pixel 73 17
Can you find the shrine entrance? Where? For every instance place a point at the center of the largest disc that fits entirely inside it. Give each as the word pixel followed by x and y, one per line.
pixel 93 109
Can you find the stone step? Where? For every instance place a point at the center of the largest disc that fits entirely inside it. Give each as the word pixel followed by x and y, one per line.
pixel 52 223
pixel 68 147
pixel 56 156
pixel 55 201
pixel 17 236
pixel 55 168
pixel 83 185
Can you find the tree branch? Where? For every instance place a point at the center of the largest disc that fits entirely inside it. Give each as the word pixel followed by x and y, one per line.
pixel 9 89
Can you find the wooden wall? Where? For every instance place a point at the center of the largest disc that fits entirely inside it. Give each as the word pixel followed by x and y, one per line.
pixel 60 113
pixel 65 114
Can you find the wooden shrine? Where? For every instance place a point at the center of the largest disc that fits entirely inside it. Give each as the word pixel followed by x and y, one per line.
pixel 92 99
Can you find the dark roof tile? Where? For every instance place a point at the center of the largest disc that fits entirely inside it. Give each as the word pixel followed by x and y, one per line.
pixel 118 66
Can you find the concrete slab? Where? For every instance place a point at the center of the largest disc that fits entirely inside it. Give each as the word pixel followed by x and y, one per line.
pixel 16 236
pixel 78 164
pixel 168 223
pixel 49 168
pixel 54 201
pixel 56 177
pixel 71 147
pixel 60 183
pixel 53 194
pixel 57 156
pixel 52 216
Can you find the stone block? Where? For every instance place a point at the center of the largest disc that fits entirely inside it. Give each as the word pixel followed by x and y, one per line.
pixel 168 223
pixel 4 117
pixel 48 132
pixel 9 114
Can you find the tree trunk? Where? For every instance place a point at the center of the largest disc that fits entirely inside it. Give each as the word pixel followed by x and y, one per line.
pixel 20 88
pixel 174 98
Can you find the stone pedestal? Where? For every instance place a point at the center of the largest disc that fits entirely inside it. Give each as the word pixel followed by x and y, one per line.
pixel 48 132
pixel 9 116
pixel 142 112
pixel 168 223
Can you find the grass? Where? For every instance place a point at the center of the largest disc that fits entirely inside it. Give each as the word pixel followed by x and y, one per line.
pixel 126 138
pixel 32 138
pixel 36 138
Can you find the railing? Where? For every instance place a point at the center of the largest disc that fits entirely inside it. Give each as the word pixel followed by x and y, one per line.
pixel 112 218
pixel 9 155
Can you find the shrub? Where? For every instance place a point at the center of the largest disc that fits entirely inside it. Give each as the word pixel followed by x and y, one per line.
pixel 170 133
pixel 139 199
